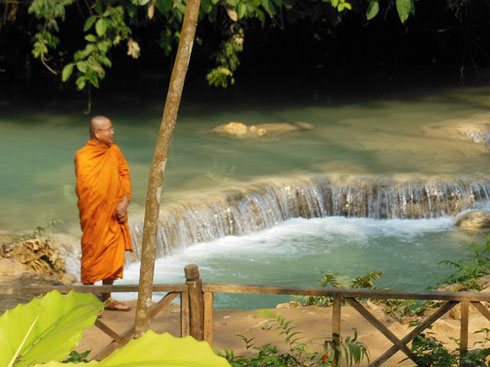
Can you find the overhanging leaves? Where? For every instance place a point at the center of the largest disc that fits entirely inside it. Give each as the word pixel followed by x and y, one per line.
pixel 59 328
pixel 405 8
pixel 158 350
pixel 372 10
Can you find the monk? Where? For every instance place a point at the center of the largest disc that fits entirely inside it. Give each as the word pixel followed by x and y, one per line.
pixel 104 191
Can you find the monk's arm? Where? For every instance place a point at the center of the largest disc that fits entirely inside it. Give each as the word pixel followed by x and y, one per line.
pixel 124 174
pixel 122 207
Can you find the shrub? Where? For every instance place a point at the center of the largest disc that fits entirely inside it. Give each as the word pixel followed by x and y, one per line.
pixel 432 352
pixel 470 268
pixel 300 352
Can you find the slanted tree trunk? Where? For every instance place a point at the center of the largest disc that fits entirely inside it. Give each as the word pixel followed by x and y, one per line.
pixel 155 183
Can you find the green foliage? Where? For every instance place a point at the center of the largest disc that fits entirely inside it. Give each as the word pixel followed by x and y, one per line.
pixel 432 352
pixel 32 333
pixel 77 357
pixel 366 281
pixel 171 351
pixel 48 11
pixel 399 308
pixel 372 10
pixel 334 281
pixel 340 5
pixel 299 353
pixel 471 268
pixel 110 29
pixel 405 8
pixel 227 59
pixel 109 23
pixel 44 331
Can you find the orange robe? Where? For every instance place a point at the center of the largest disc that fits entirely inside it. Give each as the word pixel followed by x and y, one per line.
pixel 102 182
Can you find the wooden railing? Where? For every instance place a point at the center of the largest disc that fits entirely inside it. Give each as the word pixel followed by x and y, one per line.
pixel 196 305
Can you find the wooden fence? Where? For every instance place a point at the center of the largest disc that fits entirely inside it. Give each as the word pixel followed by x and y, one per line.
pixel 196 305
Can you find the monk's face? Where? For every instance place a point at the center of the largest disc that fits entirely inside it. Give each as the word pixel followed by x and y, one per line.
pixel 104 133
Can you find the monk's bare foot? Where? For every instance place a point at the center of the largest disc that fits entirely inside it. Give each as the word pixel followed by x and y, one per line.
pixel 113 305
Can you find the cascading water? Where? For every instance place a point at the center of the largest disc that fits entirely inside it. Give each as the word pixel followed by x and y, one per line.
pixel 260 206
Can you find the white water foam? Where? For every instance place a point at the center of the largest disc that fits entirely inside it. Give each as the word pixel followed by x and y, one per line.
pixel 290 250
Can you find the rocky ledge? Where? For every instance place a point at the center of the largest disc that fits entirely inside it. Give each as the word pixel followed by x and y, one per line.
pixel 29 262
pixel 475 220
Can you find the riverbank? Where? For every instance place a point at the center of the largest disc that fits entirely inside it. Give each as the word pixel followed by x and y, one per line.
pixel 314 323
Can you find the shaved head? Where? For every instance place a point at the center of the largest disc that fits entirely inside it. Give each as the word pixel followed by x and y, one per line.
pixel 97 123
pixel 101 130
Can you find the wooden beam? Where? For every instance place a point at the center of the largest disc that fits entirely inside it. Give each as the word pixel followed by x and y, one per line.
pixel 349 293
pixel 336 329
pixel 106 329
pixel 410 336
pixel 128 334
pixel 383 329
pixel 208 317
pixel 184 314
pixel 38 289
pixel 258 289
pixel 483 310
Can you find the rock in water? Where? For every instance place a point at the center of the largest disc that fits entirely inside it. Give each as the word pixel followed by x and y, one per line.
pixel 475 220
pixel 242 131
pixel 36 255
pixel 475 128
pixel 233 128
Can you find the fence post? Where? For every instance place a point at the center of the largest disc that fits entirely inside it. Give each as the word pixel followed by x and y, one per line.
pixel 464 328
pixel 196 301
pixel 184 314
pixel 336 329
pixel 208 317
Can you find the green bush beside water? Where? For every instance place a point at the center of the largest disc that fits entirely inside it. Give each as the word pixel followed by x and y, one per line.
pixel 300 352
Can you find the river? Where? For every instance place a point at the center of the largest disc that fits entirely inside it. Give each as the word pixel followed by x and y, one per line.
pixel 356 143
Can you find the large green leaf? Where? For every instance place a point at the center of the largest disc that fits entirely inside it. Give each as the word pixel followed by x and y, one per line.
pixel 268 6
pixel 405 8
pixel 155 350
pixel 372 9
pixel 46 328
pixel 101 27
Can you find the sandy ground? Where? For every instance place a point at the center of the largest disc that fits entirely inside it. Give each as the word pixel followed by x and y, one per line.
pixel 314 322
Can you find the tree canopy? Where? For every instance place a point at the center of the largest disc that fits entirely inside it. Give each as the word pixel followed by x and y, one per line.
pixel 80 41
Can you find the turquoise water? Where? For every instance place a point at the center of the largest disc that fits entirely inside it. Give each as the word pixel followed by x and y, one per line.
pixel 380 137
pixel 298 251
pixel 384 137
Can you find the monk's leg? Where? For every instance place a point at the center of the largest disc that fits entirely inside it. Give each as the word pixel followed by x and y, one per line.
pixel 112 304
pixel 105 296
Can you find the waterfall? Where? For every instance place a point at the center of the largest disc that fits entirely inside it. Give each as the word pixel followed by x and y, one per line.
pixel 263 205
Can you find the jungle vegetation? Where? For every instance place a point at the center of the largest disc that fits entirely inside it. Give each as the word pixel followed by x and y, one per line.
pixel 82 42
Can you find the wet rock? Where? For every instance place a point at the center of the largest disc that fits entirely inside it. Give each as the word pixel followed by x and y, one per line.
pixel 242 131
pixel 477 133
pixel 236 129
pixel 475 220
pixel 38 256
pixel 10 267
pixel 68 278
pixel 475 128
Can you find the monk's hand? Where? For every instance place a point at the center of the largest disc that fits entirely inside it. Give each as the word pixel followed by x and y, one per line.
pixel 122 220
pixel 122 210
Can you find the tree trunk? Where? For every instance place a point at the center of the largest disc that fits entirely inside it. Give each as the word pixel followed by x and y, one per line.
pixel 155 183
